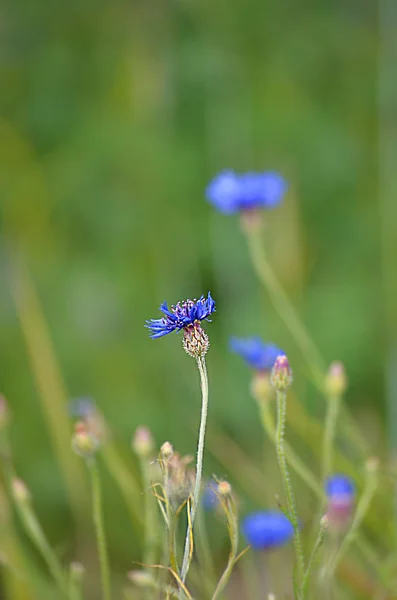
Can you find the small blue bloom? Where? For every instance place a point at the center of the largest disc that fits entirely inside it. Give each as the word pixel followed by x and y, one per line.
pixel 81 408
pixel 230 192
pixel 181 315
pixel 339 486
pixel 258 355
pixel 267 529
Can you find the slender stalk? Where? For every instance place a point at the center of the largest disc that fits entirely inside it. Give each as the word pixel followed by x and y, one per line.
pixel 199 466
pixel 283 305
pixel 362 508
pixel 329 434
pixel 317 544
pixel 150 514
pixel 38 538
pixel 294 461
pixel 99 528
pixel 76 573
pixel 291 504
pixel 232 525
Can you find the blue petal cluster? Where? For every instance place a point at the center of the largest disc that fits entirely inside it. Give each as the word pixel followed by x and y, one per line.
pixel 180 316
pixel 230 192
pixel 338 486
pixel 258 355
pixel 267 529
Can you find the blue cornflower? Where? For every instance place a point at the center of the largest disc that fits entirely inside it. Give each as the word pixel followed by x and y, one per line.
pixel 267 529
pixel 339 486
pixel 181 316
pixel 230 192
pixel 82 408
pixel 258 355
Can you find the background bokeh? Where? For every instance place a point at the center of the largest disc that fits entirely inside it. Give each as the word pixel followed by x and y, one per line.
pixel 114 116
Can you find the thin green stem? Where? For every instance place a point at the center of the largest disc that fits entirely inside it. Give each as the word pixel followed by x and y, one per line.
pixel 294 461
pixel 291 504
pixel 283 305
pixel 317 544
pixel 100 529
pixel 232 525
pixel 150 516
pixel 76 573
pixel 37 536
pixel 362 508
pixel 329 434
pixel 199 466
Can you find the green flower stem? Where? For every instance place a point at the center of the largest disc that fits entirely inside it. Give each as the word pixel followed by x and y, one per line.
pixel 75 584
pixel 362 508
pixel 317 544
pixel 99 528
pixel 199 466
pixel 150 516
pixel 294 461
pixel 283 305
pixel 291 504
pixel 232 525
pixel 39 540
pixel 331 419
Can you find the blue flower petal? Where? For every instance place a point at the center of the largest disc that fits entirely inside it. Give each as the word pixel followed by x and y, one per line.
pixel 255 352
pixel 339 485
pixel 180 316
pixel 267 529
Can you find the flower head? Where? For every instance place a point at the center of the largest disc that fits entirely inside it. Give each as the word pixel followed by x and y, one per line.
pixel 230 192
pixel 338 486
pixel 181 316
pixel 340 492
pixel 281 377
pixel 267 529
pixel 256 353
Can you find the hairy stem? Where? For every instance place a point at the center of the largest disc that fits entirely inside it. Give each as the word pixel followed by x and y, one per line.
pixel 100 529
pixel 199 466
pixel 291 504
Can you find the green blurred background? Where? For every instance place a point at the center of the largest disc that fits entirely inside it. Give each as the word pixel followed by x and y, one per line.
pixel 114 116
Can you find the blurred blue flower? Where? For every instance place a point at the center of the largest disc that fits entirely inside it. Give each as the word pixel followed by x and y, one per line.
pixel 230 192
pixel 81 408
pixel 339 486
pixel 210 498
pixel 267 529
pixel 181 316
pixel 258 355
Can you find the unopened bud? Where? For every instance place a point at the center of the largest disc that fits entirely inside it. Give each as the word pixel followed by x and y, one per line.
pixel 224 488
pixel 324 522
pixel 281 377
pixel 336 381
pixel 372 464
pixel 166 451
pixel 140 578
pixel 77 571
pixel 4 412
pixel 142 442
pixel 261 388
pixel 20 491
pixel 84 443
pixel 195 340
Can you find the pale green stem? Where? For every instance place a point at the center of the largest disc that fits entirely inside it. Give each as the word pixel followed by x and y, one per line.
pixel 99 528
pixel 205 549
pixel 75 584
pixel 232 523
pixel 317 544
pixel 362 508
pixel 291 504
pixel 38 538
pixel 199 466
pixel 150 514
pixel 331 419
pixel 283 305
pixel 294 461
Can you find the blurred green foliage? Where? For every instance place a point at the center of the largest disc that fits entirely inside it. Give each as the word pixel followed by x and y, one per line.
pixel 113 118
